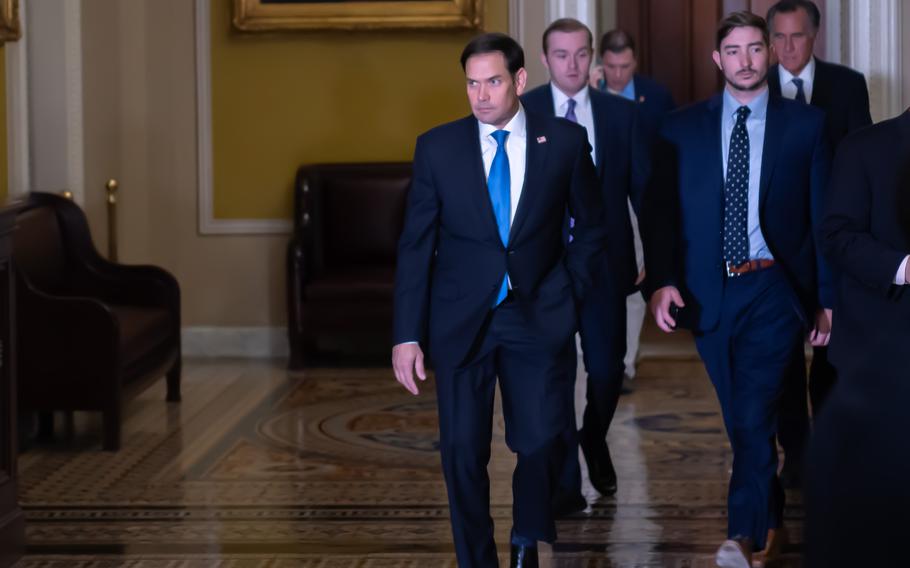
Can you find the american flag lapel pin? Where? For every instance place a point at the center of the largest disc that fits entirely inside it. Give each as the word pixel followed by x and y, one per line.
pixel 641 99
pixel 541 139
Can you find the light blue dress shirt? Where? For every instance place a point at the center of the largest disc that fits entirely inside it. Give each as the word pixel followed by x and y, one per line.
pixel 628 92
pixel 755 125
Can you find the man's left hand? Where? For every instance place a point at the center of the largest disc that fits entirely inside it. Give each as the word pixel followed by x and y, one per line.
pixel 821 333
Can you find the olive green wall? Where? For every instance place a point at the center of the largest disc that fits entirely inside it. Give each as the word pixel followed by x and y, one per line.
pixel 282 100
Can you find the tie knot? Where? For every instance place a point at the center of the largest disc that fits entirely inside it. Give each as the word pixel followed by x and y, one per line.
pixel 500 136
pixel 571 103
pixel 798 82
pixel 742 112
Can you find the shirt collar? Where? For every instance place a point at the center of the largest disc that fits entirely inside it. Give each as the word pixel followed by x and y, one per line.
pixel 560 98
pixel 758 106
pixel 627 92
pixel 807 74
pixel 515 127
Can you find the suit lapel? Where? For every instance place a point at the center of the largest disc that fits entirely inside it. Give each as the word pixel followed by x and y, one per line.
pixel 472 165
pixel 600 120
pixel 535 164
pixel 775 126
pixel 712 125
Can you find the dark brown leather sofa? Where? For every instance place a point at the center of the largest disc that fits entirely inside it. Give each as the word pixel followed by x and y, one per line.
pixel 90 332
pixel 341 258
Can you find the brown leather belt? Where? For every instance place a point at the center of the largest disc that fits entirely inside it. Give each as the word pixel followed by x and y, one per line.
pixel 748 266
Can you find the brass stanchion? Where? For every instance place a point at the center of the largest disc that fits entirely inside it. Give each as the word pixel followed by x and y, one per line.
pixel 67 194
pixel 111 187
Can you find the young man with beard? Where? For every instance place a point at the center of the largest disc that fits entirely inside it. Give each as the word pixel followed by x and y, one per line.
pixel 728 227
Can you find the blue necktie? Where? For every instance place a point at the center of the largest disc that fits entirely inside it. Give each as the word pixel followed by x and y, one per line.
pixel 500 187
pixel 736 193
pixel 570 113
pixel 800 94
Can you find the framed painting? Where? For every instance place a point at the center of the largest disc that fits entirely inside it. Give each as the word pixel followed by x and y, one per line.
pixel 285 15
pixel 10 29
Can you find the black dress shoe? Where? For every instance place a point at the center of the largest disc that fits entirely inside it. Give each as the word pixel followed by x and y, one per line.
pixel 600 466
pixel 523 556
pixel 567 503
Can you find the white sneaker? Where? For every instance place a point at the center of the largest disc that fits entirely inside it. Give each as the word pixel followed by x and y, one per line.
pixel 730 555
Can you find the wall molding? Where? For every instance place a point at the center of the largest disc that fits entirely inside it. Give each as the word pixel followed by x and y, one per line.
pixel 246 342
pixel 17 134
pixel 75 143
pixel 208 224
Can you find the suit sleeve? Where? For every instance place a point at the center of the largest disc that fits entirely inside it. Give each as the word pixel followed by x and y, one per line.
pixel 587 249
pixel 659 222
pixel 640 168
pixel 819 175
pixel 416 248
pixel 846 234
pixel 858 113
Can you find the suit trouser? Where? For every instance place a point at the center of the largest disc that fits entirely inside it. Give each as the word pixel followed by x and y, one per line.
pixel 603 342
pixel 747 357
pixel 794 413
pixel 532 381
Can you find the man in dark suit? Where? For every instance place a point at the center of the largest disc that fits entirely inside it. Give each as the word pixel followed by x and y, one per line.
pixel 728 225
pixel 857 495
pixel 841 93
pixel 617 76
pixel 620 155
pixel 486 279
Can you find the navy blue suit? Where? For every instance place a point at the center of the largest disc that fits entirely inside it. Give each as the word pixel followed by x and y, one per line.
pixel 654 103
pixel 451 263
pixel 622 161
pixel 747 328
pixel 842 94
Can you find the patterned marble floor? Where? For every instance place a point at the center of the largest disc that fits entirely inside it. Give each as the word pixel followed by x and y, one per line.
pixel 338 468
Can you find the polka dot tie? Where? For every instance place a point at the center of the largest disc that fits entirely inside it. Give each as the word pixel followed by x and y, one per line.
pixel 736 193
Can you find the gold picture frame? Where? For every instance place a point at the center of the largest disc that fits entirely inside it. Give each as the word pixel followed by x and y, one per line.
pixel 10 28
pixel 287 15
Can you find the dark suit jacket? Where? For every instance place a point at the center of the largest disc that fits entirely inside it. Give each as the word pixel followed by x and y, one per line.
pixel 866 234
pixel 622 167
pixel 451 261
pixel 654 104
pixel 682 224
pixel 840 92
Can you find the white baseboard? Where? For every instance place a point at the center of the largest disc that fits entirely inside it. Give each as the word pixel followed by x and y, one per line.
pixel 249 342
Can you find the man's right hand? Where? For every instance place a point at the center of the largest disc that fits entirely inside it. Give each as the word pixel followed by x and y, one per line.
pixel 406 358
pixel 660 307
pixel 596 76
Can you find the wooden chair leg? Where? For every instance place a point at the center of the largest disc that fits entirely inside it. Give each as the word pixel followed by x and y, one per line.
pixel 111 424
pixel 173 381
pixel 46 425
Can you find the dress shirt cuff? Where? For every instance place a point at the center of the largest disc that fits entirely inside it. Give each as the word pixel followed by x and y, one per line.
pixel 409 343
pixel 901 277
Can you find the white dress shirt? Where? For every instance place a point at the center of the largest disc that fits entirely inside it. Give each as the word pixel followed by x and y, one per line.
pixel 788 89
pixel 516 146
pixel 583 112
pixel 901 277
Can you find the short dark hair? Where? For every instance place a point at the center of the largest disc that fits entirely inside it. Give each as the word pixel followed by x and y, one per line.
pixel 566 25
pixel 790 6
pixel 741 20
pixel 491 43
pixel 616 41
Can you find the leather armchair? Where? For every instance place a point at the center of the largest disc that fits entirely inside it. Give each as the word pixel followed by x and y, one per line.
pixel 341 258
pixel 91 332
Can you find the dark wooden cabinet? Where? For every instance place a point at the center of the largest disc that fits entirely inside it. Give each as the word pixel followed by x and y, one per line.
pixel 12 522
